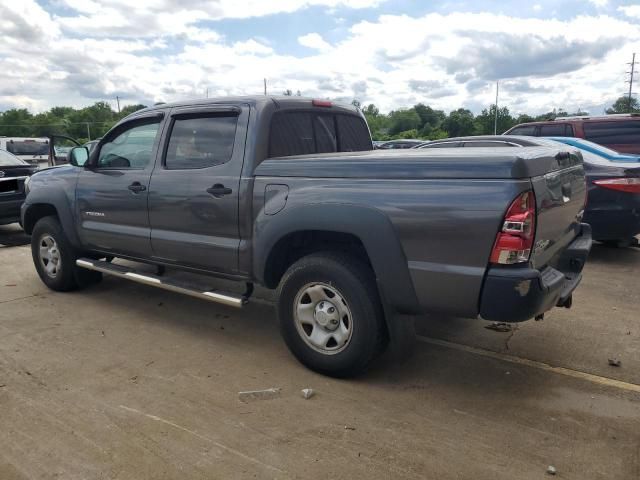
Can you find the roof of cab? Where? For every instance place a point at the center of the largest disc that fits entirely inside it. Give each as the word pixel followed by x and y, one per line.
pixel 284 101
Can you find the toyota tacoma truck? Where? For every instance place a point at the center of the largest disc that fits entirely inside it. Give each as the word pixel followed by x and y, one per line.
pixel 288 193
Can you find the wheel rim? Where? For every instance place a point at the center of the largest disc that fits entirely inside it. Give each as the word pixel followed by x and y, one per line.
pixel 323 319
pixel 49 256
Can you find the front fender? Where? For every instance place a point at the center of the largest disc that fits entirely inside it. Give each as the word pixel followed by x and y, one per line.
pixel 371 226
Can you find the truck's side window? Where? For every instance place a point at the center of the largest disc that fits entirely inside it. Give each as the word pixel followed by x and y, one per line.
pixel 199 142
pixel 353 134
pixel 131 148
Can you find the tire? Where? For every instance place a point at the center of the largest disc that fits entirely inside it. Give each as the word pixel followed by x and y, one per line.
pixel 330 313
pixel 55 258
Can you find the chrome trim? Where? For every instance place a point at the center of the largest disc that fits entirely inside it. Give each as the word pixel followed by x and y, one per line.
pixel 153 281
pixel 6 179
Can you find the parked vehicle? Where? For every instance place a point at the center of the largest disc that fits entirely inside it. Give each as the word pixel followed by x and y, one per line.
pixel 599 150
pixel 34 151
pixel 287 193
pixel 613 207
pixel 620 132
pixel 91 144
pixel 13 173
pixel 399 144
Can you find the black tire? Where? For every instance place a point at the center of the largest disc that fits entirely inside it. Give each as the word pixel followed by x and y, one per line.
pixel 67 276
pixel 355 283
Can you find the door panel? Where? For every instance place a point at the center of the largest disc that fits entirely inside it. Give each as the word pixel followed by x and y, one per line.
pixel 193 195
pixel 111 195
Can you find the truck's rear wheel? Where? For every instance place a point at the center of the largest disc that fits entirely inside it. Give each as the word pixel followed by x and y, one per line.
pixel 55 259
pixel 330 313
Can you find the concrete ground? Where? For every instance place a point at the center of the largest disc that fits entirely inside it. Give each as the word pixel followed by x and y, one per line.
pixel 123 381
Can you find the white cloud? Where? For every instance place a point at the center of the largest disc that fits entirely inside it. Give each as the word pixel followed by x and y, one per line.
pixel 599 3
pixel 632 11
pixel 139 52
pixel 315 41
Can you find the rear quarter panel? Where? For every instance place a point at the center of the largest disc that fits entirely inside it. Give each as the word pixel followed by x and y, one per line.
pixel 446 227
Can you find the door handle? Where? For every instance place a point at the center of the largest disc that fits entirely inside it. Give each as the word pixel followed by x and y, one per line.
pixel 218 190
pixel 137 187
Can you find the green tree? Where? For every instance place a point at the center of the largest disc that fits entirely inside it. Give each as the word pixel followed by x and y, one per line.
pixel 485 121
pixel 623 105
pixel 459 123
pixel 403 120
pixel 129 109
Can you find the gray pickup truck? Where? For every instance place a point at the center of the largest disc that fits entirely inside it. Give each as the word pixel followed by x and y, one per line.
pixel 287 193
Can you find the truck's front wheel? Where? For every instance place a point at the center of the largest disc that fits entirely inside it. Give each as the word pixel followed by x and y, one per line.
pixel 330 313
pixel 55 258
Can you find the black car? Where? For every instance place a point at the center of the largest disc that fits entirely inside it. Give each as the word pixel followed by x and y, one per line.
pixel 13 173
pixel 613 201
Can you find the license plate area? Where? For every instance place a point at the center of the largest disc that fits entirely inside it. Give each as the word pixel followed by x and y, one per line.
pixel 9 186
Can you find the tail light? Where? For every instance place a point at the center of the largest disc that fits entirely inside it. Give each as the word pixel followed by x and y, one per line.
pixel 628 185
pixel 321 103
pixel 515 239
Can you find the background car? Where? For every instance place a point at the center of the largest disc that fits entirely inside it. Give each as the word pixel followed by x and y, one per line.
pixel 34 151
pixel 613 202
pixel 605 152
pixel 13 173
pixel 403 143
pixel 620 132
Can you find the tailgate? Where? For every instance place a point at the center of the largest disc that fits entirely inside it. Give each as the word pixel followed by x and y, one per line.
pixel 560 199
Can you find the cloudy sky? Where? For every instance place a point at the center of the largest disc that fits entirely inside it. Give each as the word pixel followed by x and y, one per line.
pixel 394 53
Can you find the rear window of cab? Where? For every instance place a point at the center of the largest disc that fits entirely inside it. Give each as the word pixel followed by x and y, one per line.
pixel 302 133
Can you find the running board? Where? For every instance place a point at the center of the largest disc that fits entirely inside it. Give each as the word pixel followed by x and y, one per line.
pixel 160 282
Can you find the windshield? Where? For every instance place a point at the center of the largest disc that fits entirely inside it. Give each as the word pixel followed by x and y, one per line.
pixel 8 160
pixel 28 147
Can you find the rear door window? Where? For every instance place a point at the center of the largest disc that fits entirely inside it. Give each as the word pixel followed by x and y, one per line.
pixel 613 133
pixel 302 133
pixel 201 142
pixel 527 130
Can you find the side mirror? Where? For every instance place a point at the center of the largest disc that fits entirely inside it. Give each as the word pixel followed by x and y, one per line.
pixel 78 156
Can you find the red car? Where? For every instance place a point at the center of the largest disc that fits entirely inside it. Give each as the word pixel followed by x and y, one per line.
pixel 620 132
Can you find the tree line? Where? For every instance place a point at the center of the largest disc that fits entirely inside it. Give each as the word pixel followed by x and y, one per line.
pixel 82 124
pixel 419 121
pixel 422 121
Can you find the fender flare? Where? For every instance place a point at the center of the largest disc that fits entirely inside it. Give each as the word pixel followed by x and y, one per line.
pixel 59 202
pixel 372 227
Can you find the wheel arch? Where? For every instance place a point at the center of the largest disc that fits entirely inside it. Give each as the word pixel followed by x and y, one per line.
pixel 363 231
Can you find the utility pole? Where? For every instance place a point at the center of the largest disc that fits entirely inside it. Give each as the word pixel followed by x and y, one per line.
pixel 118 102
pixel 630 81
pixel 88 131
pixel 207 93
pixel 495 120
pixel 265 86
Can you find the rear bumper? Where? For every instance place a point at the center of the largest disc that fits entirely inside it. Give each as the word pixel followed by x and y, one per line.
pixel 518 294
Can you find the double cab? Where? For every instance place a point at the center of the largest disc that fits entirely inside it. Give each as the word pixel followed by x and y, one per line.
pixel 288 193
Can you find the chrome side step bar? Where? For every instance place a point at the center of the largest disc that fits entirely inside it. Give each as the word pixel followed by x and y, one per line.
pixel 159 282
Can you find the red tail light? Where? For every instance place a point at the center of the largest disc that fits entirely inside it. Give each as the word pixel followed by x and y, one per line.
pixel 628 185
pixel 515 239
pixel 321 103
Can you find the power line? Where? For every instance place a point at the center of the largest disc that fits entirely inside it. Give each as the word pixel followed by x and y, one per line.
pixel 630 81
